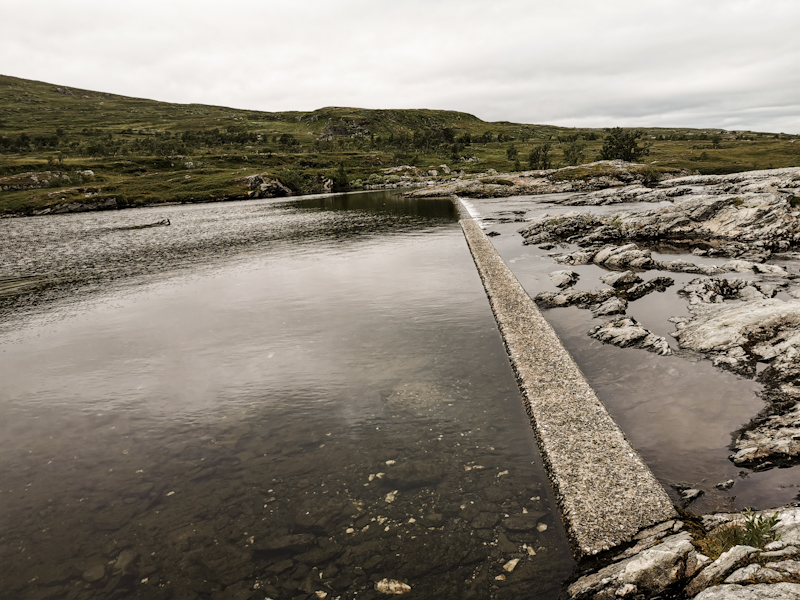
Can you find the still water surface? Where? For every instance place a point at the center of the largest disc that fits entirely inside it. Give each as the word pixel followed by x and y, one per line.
pixel 264 400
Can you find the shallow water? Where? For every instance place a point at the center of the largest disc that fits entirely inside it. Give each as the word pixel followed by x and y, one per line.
pixel 265 399
pixel 678 411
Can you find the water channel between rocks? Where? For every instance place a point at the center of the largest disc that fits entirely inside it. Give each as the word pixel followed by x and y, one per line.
pixel 678 411
pixel 265 399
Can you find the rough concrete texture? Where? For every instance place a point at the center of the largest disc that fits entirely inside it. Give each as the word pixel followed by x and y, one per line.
pixel 605 491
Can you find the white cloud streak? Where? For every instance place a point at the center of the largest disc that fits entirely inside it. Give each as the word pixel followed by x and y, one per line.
pixel 699 63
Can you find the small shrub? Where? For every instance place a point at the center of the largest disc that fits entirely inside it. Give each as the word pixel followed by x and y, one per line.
pixel 573 152
pixel 794 201
pixel 539 157
pixel 738 201
pixel 623 144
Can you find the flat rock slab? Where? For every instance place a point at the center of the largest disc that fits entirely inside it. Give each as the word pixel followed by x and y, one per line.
pixel 606 493
pixel 762 591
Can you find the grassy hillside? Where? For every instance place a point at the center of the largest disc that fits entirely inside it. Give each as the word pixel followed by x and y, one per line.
pixel 143 151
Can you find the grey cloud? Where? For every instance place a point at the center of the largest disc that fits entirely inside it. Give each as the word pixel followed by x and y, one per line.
pixel 675 63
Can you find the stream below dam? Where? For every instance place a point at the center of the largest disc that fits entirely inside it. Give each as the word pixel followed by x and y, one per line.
pixel 678 411
pixel 303 398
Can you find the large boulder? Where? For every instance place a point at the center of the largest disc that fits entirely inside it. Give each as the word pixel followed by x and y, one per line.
pixel 649 572
pixel 261 186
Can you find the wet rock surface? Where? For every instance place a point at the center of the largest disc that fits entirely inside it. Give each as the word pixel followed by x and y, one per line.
pixel 627 332
pixel 738 323
pixel 604 301
pixel 564 278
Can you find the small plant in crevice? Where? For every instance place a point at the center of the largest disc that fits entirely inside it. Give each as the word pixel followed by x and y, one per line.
pixel 756 530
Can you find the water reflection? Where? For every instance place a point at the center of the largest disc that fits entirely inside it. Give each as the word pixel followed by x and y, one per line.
pixel 299 416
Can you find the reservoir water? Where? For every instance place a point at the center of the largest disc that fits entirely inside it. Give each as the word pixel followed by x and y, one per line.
pixel 265 399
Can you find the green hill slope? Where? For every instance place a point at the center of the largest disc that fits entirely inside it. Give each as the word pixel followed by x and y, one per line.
pixel 143 151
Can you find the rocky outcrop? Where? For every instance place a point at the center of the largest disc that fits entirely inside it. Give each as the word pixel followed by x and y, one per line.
pixel 765 181
pixel 627 332
pixel 623 195
pixel 719 569
pixel 71 207
pixel 599 175
pixel 624 279
pixel 261 186
pixel 751 217
pixel 562 279
pixel 778 591
pixel 664 561
pixel 647 573
pixel 776 439
pixel 756 329
pixel 573 297
pixel 631 256
pixel 41 179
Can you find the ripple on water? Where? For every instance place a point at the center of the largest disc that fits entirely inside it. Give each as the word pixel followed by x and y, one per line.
pixel 285 403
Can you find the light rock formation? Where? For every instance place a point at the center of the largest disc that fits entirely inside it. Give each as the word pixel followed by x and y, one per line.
pixel 262 186
pixel 626 332
pixel 563 279
pixel 751 215
pixel 757 328
pixel 662 561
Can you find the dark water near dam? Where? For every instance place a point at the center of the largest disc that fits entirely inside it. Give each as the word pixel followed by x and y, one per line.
pixel 678 411
pixel 266 399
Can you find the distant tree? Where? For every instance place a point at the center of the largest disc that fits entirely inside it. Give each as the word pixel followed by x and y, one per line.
pixel 716 139
pixel 539 157
pixel 340 181
pixel 517 166
pixel 623 144
pixel 512 152
pixel 287 140
pixel 573 152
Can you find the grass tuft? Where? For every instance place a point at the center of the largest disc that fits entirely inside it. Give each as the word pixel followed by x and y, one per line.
pixel 756 531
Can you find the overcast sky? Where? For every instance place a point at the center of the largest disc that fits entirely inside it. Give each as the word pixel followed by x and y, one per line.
pixel 694 63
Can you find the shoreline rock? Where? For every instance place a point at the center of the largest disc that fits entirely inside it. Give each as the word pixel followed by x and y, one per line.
pixel 757 330
pixel 666 558
pixel 627 332
pixel 751 215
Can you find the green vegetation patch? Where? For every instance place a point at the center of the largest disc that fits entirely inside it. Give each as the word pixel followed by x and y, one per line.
pixel 141 150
